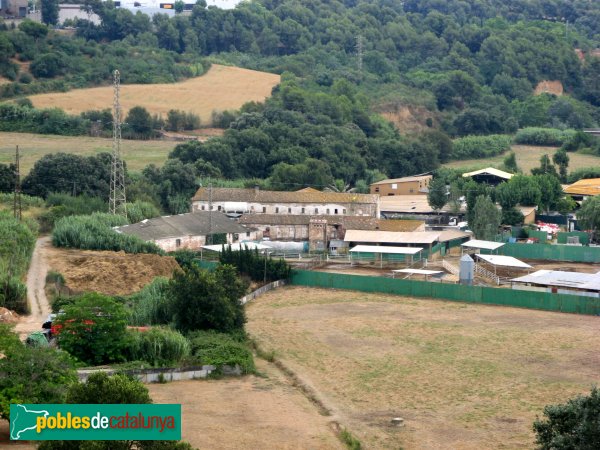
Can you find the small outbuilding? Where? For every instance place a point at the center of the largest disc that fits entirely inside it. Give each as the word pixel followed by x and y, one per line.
pixel 556 281
pixel 489 176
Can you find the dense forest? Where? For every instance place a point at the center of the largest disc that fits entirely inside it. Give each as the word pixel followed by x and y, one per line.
pixel 471 66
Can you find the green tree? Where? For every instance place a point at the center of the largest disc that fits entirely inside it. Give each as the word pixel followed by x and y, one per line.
pixel 33 375
pixel 546 167
pixel 550 190
pixel 179 6
pixel 437 197
pixel 140 122
pixel 571 425
pixel 510 163
pixel 94 329
pixel 486 219
pixel 561 159
pixel 566 205
pixel 50 12
pixel 204 300
pixel 588 216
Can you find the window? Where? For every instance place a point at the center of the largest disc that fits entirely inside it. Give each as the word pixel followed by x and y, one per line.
pixel 411 191
pixel 377 189
pixel 289 210
pixel 247 234
pixel 316 210
pixel 335 211
pixel 264 209
pixel 203 208
pixel 344 211
pixel 177 243
pixel 303 211
pixel 327 210
pixel 219 208
pixel 277 209
pixel 394 185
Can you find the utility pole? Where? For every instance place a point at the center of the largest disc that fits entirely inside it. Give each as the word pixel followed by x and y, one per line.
pixel 17 209
pixel 209 238
pixel 117 199
pixel 359 53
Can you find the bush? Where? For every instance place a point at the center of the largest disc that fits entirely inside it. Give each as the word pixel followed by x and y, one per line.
pixel 480 146
pixel 138 211
pixel 64 205
pixel 13 295
pixel 579 174
pixel 220 349
pixel 151 306
pixel 95 232
pixel 45 121
pixel 543 136
pixel 93 329
pixel 158 346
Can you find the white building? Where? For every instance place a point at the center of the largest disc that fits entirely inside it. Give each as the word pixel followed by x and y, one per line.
pixel 235 202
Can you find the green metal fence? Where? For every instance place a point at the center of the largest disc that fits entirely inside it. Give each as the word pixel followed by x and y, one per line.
pixel 584 238
pixel 455 292
pixel 551 252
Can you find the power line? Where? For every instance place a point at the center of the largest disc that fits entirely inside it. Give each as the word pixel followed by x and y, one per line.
pixel 117 199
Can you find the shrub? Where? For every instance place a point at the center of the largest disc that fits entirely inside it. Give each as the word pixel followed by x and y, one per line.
pixel 151 306
pixel 93 329
pixel 13 295
pixel 138 211
pixel 480 146
pixel 94 232
pixel 220 349
pixel 158 346
pixel 543 136
pixel 579 174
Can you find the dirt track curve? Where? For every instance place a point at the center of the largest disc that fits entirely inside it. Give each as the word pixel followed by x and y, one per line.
pixel 36 296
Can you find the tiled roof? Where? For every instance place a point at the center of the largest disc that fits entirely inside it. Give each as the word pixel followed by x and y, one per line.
pixel 302 196
pixel 348 222
pixel 403 180
pixel 590 186
pixel 190 224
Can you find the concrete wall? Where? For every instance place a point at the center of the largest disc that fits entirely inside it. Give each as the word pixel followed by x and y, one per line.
pixel 342 209
pixel 195 242
pixel 164 374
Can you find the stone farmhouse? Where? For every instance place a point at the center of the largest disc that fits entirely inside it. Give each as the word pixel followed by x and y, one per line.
pixel 188 231
pixel 308 201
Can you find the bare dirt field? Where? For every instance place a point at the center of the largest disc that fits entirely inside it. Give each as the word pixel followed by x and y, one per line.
pixel 528 157
pixel 461 376
pixel 111 273
pixel 249 412
pixel 221 88
pixel 137 154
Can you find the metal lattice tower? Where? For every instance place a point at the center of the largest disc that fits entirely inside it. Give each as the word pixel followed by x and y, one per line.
pixel 17 209
pixel 116 202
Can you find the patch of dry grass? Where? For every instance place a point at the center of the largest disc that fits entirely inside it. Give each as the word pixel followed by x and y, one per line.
pixel 221 88
pixel 528 157
pixel 461 375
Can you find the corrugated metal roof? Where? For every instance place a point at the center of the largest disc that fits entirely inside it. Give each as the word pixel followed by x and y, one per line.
pixel 590 186
pixel 392 237
pixel 450 235
pixel 189 224
pixel 589 281
pixel 307 195
pixel 352 222
pixel 385 249
pixel 403 179
pixel 490 171
pixel 409 204
pixel 487 245
pixel 504 261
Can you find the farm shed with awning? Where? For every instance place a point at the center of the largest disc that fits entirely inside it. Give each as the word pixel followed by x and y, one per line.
pixel 379 250
pixel 503 262
pixel 479 245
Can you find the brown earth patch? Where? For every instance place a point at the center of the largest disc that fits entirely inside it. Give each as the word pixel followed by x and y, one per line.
pixel 407 119
pixel 111 273
pixel 549 87
pixel 461 375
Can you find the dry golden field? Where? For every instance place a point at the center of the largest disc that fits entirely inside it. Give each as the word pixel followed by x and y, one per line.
pixel 528 157
pixel 462 376
pixel 221 88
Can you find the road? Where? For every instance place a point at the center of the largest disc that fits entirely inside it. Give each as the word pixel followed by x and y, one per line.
pixel 36 295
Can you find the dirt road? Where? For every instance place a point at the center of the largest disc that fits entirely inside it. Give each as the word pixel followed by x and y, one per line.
pixel 36 296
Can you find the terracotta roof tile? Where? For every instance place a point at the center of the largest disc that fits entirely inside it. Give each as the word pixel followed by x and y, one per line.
pixel 308 195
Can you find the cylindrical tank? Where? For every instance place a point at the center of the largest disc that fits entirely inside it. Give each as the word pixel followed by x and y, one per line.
pixel 467 270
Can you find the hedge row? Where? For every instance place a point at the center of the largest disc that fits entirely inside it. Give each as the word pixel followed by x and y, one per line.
pixel 472 147
pixel 543 136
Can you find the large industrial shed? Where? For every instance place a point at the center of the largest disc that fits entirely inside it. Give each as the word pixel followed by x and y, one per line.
pixel 556 281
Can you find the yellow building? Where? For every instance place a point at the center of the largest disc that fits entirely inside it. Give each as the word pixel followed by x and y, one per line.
pixel 403 186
